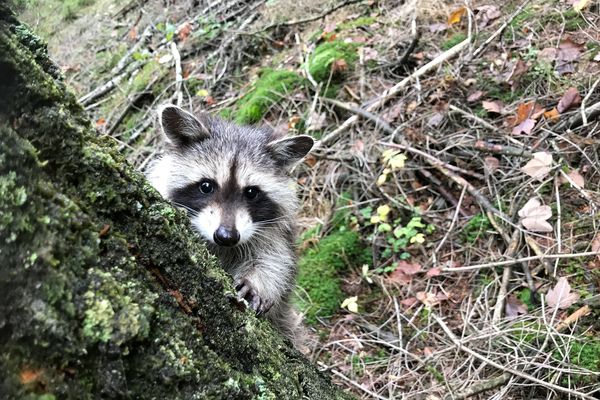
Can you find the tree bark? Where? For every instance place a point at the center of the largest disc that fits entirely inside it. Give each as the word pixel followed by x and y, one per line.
pixel 105 292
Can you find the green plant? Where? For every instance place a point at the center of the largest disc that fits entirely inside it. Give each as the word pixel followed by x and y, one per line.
pixel 453 40
pixel 266 91
pixel 477 225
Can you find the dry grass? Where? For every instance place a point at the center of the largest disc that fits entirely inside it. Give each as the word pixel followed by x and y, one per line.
pixel 443 334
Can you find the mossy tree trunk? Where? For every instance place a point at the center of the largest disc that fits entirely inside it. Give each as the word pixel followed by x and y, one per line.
pixel 104 290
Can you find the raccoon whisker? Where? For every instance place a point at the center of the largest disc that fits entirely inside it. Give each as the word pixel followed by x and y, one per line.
pixel 188 209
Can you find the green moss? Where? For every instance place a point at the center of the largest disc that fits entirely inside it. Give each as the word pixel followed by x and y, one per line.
pixel 528 14
pixel 453 40
pixel 571 19
pixel 144 76
pixel 320 62
pixel 71 8
pixel 266 91
pixel 583 353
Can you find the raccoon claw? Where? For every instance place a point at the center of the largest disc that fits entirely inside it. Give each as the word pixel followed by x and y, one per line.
pixel 246 291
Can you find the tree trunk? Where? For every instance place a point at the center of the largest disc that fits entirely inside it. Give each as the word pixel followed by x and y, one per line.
pixel 104 290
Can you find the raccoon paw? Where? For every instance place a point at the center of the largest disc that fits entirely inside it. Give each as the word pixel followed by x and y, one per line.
pixel 246 291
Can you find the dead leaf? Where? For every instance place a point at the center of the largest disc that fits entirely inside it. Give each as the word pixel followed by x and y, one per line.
pixel 369 53
pixel 28 376
pixel 495 106
pixel 596 244
pixel 560 296
pixel 552 115
pixel 404 271
pixel 486 14
pixel 358 147
pixel 438 27
pixel 316 121
pixel 514 307
pixel 409 302
pixel 475 96
pixel 429 299
pixel 579 5
pixel 524 127
pixel 548 54
pixel 433 272
pixel 577 178
pixel 104 230
pixel 133 34
pixel 597 57
pixel 539 166
pixel 339 66
pixel 534 216
pixel 435 120
pixel 100 122
pixel 571 98
pixel 310 160
pixel 427 352
pixel 491 164
pixel 184 31
pixel 456 15
pixel 531 110
pixel 568 50
pixel 517 71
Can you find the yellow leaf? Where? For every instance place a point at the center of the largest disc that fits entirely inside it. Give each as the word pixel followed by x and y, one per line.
pixel 375 219
pixel 418 238
pixel 457 15
pixel 202 93
pixel 389 153
pixel 397 161
pixel 348 301
pixel 580 5
pixel 381 180
pixel 383 211
pixel 353 307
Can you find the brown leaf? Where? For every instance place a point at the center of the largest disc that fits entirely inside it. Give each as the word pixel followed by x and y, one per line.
pixel 552 115
pixel 571 98
pixel 560 296
pixel 486 14
pixel 438 27
pixel 577 178
pixel 184 31
pixel 495 106
pixel 518 70
pixel 548 54
pixel 514 307
pixel 491 164
pixel 133 34
pixel 339 66
pixel 475 96
pixel 435 120
pixel 104 230
pixel 456 15
pixel 403 272
pixel 409 302
pixel 433 272
pixel 429 299
pixel 100 122
pixel 531 110
pixel 596 244
pixel 568 50
pixel 524 127
pixel 310 160
pixel 28 376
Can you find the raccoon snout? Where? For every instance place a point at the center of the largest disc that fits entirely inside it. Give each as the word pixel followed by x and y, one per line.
pixel 226 237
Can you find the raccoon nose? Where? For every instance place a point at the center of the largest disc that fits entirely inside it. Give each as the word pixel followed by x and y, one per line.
pixel 226 237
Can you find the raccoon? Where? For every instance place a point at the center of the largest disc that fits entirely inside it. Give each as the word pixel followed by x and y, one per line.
pixel 234 183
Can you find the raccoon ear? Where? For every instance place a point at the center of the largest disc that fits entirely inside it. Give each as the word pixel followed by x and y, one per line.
pixel 182 128
pixel 288 151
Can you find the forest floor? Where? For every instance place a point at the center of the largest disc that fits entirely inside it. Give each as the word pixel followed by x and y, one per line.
pixel 451 229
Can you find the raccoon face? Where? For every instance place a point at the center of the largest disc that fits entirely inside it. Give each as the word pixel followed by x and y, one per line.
pixel 232 180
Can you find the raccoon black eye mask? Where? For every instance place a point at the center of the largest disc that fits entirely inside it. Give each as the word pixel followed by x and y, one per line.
pixel 234 182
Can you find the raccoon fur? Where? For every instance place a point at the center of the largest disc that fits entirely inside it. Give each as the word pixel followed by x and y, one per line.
pixel 234 183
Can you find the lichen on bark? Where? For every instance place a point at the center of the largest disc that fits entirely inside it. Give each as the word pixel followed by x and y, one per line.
pixel 104 289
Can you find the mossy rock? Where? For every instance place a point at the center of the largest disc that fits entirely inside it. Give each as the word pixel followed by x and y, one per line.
pixel 320 62
pixel 266 91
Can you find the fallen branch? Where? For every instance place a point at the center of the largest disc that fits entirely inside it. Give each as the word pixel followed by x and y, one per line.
pixel 520 260
pixel 504 368
pixel 393 91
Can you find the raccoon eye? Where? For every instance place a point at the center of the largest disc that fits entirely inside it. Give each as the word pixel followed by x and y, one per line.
pixel 251 192
pixel 206 186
